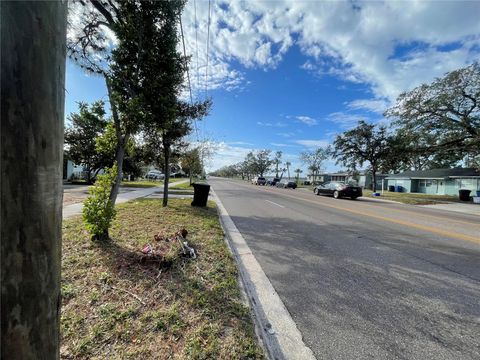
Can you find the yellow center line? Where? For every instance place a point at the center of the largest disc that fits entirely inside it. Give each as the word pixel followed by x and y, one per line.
pixel 437 231
pixel 399 222
pixel 423 215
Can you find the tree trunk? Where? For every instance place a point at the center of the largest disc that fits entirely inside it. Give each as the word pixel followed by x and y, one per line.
pixel 89 176
pixel 122 141
pixel 374 179
pixel 119 156
pixel 33 38
pixel 166 170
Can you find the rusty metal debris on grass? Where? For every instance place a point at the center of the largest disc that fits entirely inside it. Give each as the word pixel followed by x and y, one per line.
pixel 164 244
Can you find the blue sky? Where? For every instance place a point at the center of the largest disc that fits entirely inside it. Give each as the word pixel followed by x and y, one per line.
pixel 290 75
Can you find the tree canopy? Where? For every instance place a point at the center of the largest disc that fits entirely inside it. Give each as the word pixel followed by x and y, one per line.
pixel 314 159
pixel 366 143
pixel 80 137
pixel 445 112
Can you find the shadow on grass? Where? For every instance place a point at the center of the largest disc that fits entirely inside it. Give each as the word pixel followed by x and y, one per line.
pixel 208 283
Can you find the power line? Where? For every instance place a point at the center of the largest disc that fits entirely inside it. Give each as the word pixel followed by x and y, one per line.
pixel 208 47
pixel 188 72
pixel 196 42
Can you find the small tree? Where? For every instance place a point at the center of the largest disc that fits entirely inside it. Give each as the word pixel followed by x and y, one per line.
pixel 364 143
pixel 98 209
pixel 314 159
pixel 81 136
pixel 262 162
pixel 191 163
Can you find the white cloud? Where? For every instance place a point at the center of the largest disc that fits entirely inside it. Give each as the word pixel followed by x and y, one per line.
pixel 345 120
pixel 286 134
pixel 270 124
pixel 312 143
pixel 225 155
pixel 281 144
pixel 239 143
pixel 372 105
pixel 307 120
pixel 364 41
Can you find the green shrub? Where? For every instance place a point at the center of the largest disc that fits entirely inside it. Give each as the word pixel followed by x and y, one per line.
pixel 98 210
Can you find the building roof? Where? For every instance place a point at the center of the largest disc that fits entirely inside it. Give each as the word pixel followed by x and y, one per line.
pixel 437 174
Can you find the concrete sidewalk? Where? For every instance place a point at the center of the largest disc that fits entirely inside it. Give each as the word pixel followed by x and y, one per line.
pixel 472 209
pixel 76 209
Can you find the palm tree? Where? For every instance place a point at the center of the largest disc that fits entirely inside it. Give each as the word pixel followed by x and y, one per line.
pixel 314 169
pixel 298 172
pixel 288 164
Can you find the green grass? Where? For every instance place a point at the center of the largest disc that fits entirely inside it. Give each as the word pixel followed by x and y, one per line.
pixel 414 198
pixel 118 306
pixel 184 186
pixel 142 183
pixel 178 179
pixel 149 183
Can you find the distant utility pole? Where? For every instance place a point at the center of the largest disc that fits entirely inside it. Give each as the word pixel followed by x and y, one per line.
pixel 33 38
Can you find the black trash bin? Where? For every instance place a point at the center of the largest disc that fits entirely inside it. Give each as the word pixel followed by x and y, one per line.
pixel 200 194
pixel 464 194
pixel 391 188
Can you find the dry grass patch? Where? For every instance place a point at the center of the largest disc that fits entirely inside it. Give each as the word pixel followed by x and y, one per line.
pixel 117 306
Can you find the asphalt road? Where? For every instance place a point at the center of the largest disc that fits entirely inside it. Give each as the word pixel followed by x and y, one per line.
pixel 365 279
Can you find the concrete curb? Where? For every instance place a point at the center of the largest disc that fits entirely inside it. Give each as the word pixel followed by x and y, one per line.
pixel 276 328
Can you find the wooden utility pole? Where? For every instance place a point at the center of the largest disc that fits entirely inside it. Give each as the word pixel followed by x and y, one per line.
pixel 33 36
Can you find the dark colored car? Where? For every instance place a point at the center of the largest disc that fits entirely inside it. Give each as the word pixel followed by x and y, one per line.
pixel 338 189
pixel 259 180
pixel 287 184
pixel 273 182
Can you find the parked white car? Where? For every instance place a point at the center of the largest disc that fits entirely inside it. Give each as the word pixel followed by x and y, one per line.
pixel 155 175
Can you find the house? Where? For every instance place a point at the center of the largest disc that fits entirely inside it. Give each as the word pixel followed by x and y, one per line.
pixel 72 171
pixel 437 181
pixel 364 179
pixel 341 176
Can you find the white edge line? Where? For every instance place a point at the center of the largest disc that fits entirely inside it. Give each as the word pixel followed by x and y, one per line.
pixel 279 333
pixel 274 203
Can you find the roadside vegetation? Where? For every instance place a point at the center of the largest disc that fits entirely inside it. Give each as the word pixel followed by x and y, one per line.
pixel 119 303
pixel 414 198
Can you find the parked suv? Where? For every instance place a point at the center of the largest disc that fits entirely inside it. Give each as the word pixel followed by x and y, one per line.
pixel 259 181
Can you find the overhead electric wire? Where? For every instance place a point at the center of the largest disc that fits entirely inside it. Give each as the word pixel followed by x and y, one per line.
pixel 206 68
pixel 208 48
pixel 196 41
pixel 188 72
